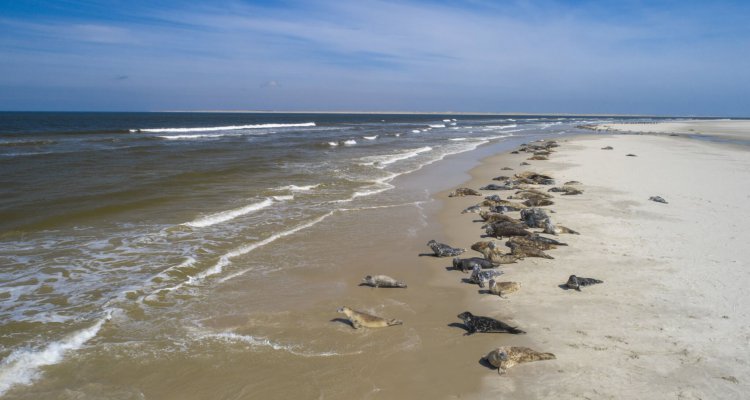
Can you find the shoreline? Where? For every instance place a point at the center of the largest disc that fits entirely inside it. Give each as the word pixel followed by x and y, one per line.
pixel 650 330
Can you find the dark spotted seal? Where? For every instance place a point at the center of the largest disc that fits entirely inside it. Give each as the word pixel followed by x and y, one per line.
pixel 575 282
pixel 476 324
pixel 443 250
pixel 384 281
pixel 492 186
pixel 521 251
pixel 505 229
pixel 479 277
pixel 538 202
pixel 360 319
pixel 506 357
pixel 527 241
pixel 658 199
pixel 468 264
pixel 464 192
pixel 501 178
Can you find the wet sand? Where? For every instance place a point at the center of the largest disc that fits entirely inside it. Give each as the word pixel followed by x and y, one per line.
pixel 670 319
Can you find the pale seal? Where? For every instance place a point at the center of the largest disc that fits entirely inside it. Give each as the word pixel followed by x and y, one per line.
pixel 464 192
pixel 443 250
pixel 472 209
pixel 382 281
pixel 506 357
pixel 575 282
pixel 476 324
pixel 360 319
pixel 503 288
pixel 526 251
pixel 552 229
pixel 492 252
pixel 524 163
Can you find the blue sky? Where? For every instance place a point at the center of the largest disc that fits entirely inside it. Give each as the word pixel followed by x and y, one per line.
pixel 666 58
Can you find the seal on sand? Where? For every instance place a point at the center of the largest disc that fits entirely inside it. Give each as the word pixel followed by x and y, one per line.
pixel 528 241
pixel 521 251
pixel 467 264
pixel 552 229
pixel 464 192
pixel 572 183
pixel 506 169
pixel 503 288
pixel 443 250
pixel 360 319
pixel 382 281
pixel 480 277
pixel 658 199
pixel 472 209
pixel 506 357
pixel 538 202
pixel 608 148
pixel 476 324
pixel 500 229
pixel 575 282
pixel 492 252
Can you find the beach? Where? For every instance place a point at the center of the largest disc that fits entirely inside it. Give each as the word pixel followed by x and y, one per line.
pixel 670 319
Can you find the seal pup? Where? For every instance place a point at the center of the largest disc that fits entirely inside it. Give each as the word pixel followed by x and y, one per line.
pixel 658 199
pixel 575 282
pixel 360 319
pixel 503 288
pixel 552 229
pixel 464 192
pixel 506 357
pixel 467 264
pixel 476 324
pixel 480 277
pixel 382 281
pixel 443 250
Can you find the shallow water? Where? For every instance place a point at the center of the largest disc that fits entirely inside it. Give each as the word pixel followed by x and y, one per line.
pixel 204 255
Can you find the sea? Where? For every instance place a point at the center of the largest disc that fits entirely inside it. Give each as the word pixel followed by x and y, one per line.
pixel 142 252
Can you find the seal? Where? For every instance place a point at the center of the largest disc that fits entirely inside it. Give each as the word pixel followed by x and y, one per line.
pixel 575 282
pixel 608 148
pixel 496 217
pixel 360 319
pixel 521 251
pixel 472 209
pixel 534 178
pixel 476 324
pixel 501 178
pixel 492 186
pixel 480 277
pixel 506 229
pixel 524 163
pixel 460 192
pixel 506 357
pixel 533 193
pixel 491 252
pixel 538 202
pixel 528 241
pixel 630 155
pixel 552 229
pixel 443 250
pixel 566 190
pixel 467 264
pixel 534 217
pixel 503 288
pixel 382 281
pixel 538 158
pixel 572 183
pixel 506 169
pixel 658 199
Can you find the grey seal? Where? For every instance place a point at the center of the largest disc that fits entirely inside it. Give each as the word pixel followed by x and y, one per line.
pixel 382 281
pixel 506 357
pixel 503 288
pixel 443 250
pixel 575 282
pixel 464 192
pixel 360 319
pixel 480 277
pixel 466 264
pixel 658 199
pixel 476 324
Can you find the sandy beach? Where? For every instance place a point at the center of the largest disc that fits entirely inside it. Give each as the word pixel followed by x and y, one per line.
pixel 670 319
pixel 723 128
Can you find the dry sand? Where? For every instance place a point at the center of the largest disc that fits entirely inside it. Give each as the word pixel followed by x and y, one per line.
pixel 671 319
pixel 728 129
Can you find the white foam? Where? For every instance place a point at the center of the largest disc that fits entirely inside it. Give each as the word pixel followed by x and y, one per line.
pixel 446 120
pixel 453 124
pixel 458 139
pixel 453 119
pixel 226 258
pixel 265 342
pixel 350 142
pixel 370 137
pixel 22 366
pixel 333 144
pixel 397 135
pixel 437 126
pixel 382 161
pixel 193 137
pixel 224 216
pixel 224 128
pixel 295 188
pixel 415 131
pixel 501 126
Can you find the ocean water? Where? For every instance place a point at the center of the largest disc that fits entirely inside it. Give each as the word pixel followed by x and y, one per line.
pixel 135 236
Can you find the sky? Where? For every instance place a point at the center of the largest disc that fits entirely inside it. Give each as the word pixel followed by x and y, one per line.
pixel 625 57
